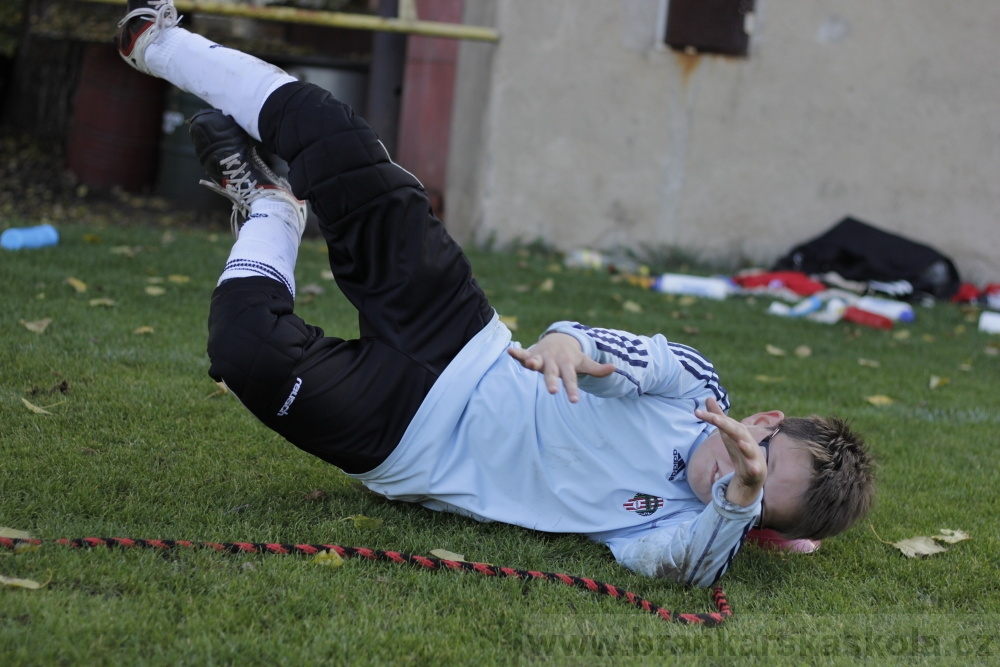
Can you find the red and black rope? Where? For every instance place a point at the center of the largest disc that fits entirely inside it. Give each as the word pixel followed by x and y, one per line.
pixel 708 619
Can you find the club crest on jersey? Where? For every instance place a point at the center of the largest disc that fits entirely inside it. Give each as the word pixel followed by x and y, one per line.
pixel 643 504
pixel 679 466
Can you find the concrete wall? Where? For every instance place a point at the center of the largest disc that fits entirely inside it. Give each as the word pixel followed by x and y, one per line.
pixel 580 130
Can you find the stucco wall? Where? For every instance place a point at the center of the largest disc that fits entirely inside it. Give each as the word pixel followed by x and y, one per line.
pixel 579 130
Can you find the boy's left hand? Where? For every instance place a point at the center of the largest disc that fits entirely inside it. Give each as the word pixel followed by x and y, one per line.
pixel 559 356
pixel 748 459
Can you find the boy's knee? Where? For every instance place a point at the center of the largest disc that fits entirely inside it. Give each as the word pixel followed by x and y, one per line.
pixel 254 340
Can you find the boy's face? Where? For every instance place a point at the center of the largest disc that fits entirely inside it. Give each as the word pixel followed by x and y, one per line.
pixel 789 469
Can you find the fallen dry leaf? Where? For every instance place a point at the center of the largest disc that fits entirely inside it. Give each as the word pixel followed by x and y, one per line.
pixel 155 280
pixel 22 583
pixel 991 350
pixel 14 534
pixel 38 326
pixel 326 274
pixel 154 290
pixel 143 330
pixel 768 378
pixel 901 335
pixel 178 279
pixel 77 284
pixel 91 238
pixel 103 301
pixel 127 251
pixel 691 331
pixel 879 399
pixel 936 382
pixel 869 363
pixel 803 351
pixel 362 521
pixel 547 285
pixel 328 558
pixel 315 495
pixel 444 554
pixel 952 536
pixel 687 301
pixel 631 306
pixel 927 338
pixel 34 408
pixel 510 321
pixel 311 288
pixel 774 351
pixel 919 547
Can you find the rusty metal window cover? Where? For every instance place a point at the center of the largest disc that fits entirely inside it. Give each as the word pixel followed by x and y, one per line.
pixel 710 26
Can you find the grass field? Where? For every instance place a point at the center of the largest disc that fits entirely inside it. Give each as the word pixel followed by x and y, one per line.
pixel 140 443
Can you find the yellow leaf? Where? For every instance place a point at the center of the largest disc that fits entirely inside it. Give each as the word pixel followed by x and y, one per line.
pixel 326 274
pixel 774 351
pixel 91 238
pixel 77 284
pixel 38 326
pixel 444 554
pixel 960 329
pixel 34 408
pixel 902 334
pixel 362 521
pixel 155 280
pixel 918 547
pixel 153 290
pixel 179 280
pixel 547 285
pixel 768 378
pixel 803 351
pixel 936 382
pixel 952 536
pixel 22 583
pixel 687 301
pixel 329 558
pixel 632 306
pixel 965 367
pixel 103 301
pixel 510 321
pixel 991 350
pixel 127 251
pixel 879 399
pixel 870 363
pixel 14 534
pixel 928 338
pixel 143 330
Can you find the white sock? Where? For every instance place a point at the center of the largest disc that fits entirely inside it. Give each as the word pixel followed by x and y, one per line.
pixel 268 244
pixel 229 80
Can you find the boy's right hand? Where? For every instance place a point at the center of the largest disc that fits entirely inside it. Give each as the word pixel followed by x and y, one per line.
pixel 559 356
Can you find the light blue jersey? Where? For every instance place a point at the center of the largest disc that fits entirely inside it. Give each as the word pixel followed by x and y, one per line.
pixel 491 443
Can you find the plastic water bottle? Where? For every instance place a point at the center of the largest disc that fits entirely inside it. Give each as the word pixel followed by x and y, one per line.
pixel 677 283
pixel 39 236
pixel 897 311
pixel 866 318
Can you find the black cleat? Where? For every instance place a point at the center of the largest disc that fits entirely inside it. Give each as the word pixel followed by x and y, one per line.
pixel 235 169
pixel 141 26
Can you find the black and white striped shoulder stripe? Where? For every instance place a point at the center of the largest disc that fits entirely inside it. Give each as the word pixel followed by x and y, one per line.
pixel 629 349
pixel 701 368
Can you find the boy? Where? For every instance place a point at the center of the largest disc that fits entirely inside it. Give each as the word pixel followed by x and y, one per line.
pixel 620 437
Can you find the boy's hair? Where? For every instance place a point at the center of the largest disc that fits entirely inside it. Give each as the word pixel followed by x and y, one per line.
pixel 842 489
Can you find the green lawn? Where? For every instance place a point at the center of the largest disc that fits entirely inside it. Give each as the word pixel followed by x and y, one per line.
pixel 141 444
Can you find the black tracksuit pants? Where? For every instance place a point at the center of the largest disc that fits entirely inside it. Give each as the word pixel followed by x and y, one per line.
pixel 347 401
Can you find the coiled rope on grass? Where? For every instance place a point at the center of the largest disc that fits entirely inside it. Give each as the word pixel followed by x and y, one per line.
pixel 710 619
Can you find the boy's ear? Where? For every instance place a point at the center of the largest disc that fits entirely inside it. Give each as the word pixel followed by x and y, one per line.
pixel 769 419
